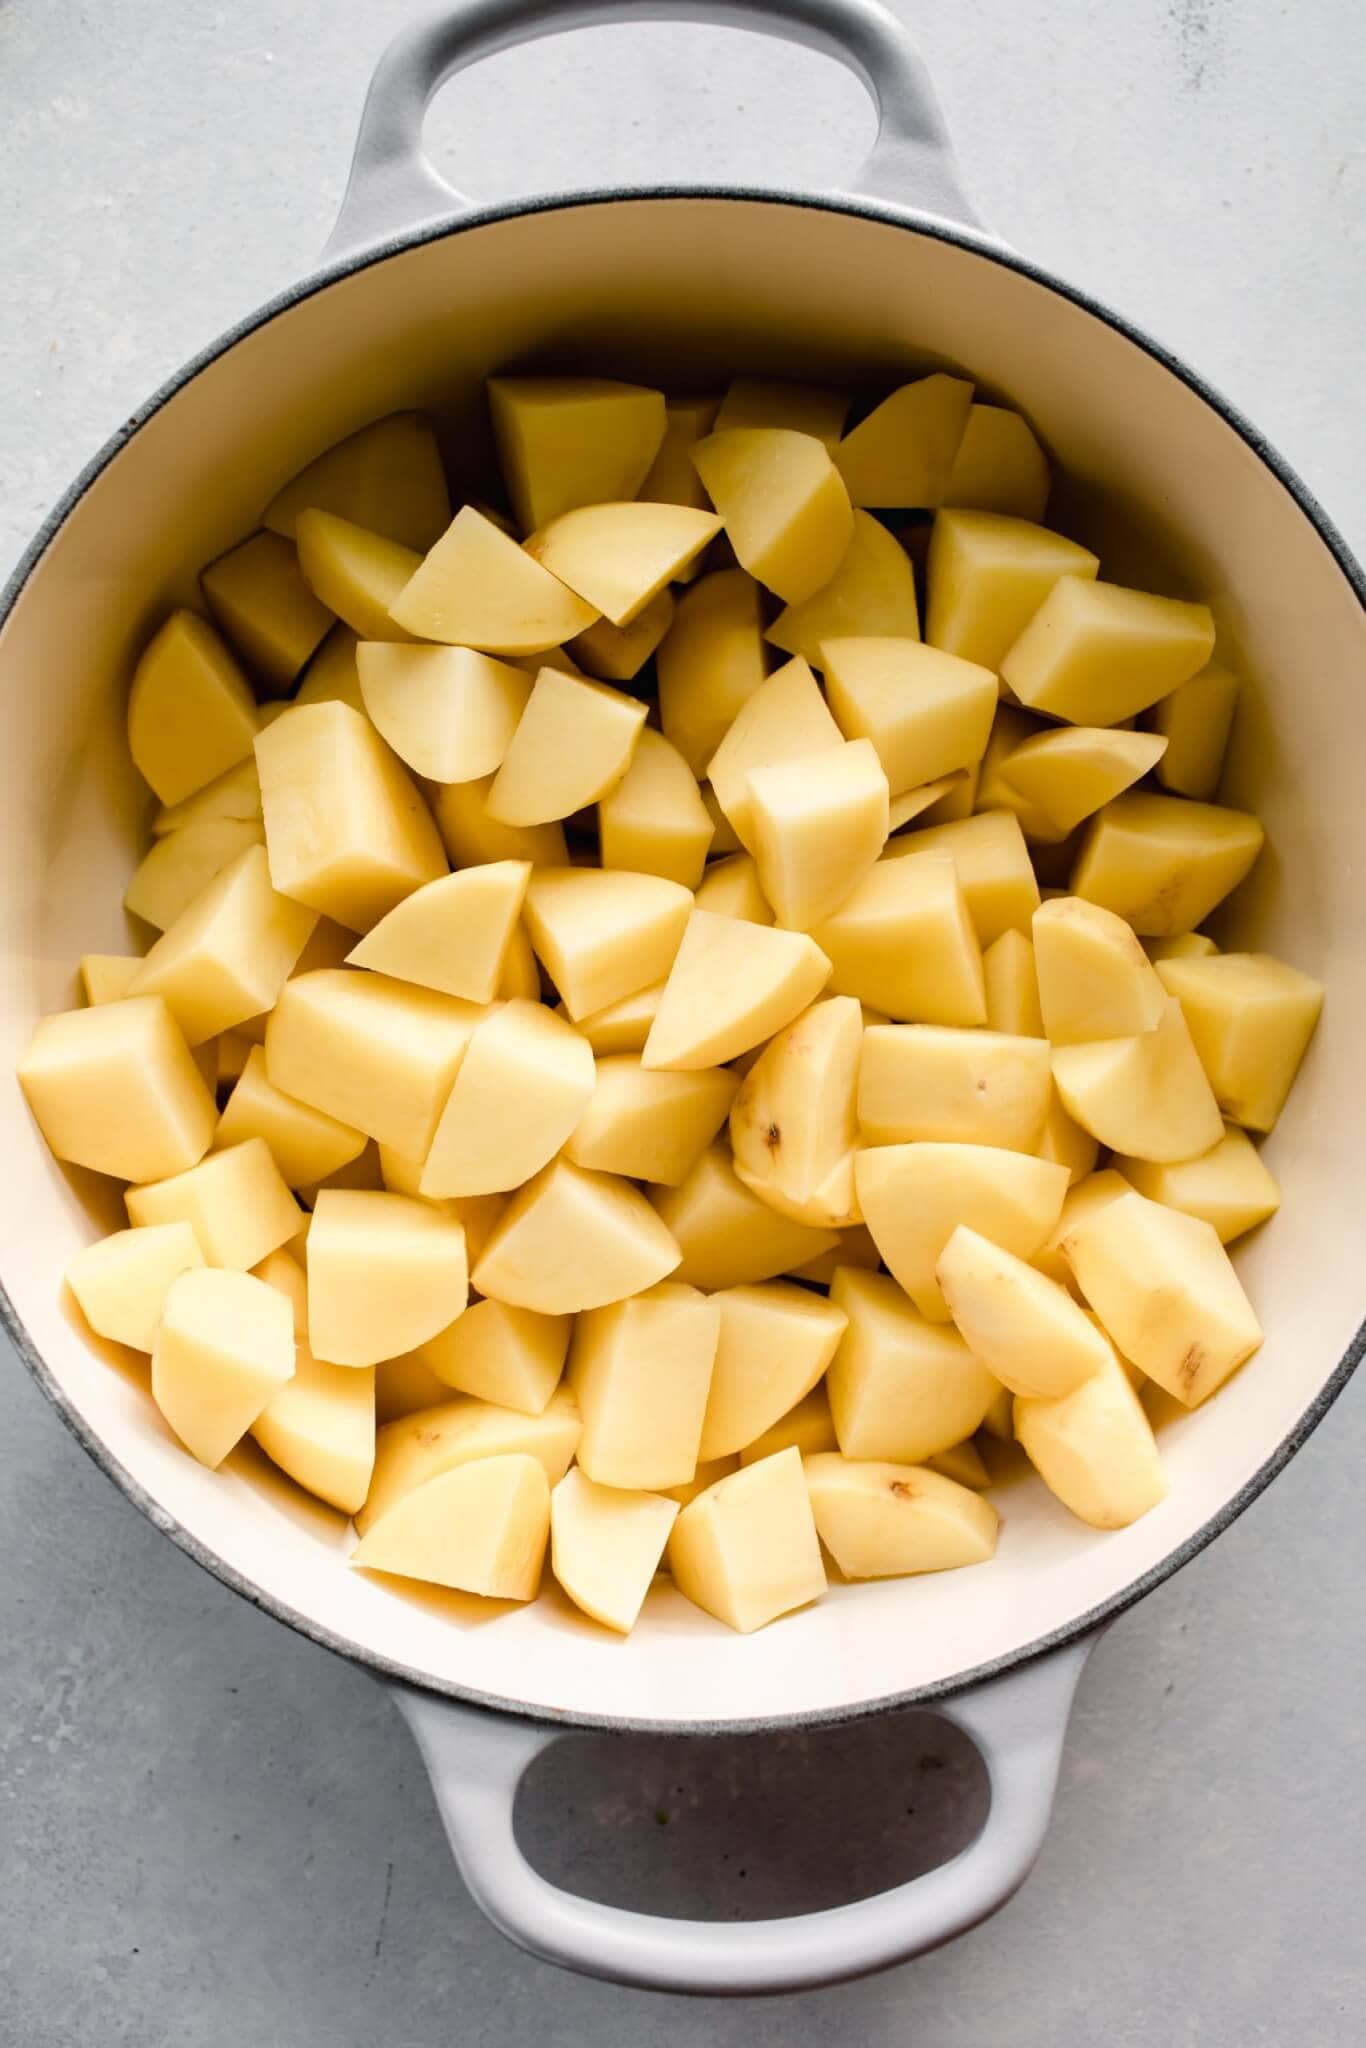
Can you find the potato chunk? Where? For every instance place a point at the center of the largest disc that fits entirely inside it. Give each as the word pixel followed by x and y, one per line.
pixel 1094 1448
pixel 808 1426
pixel 1251 1017
pixel 1095 980
pixel 116 1089
pixel 785 719
pixel 191 714
pixel 1146 1095
pixel 956 1087
pixel 1024 1327
pixel 258 596
pixel 229 953
pixel 235 1201
pixel 357 574
pixel 223 1349
pixel 886 1521
pixel 573 745
pixel 567 441
pixel 606 1545
pixel 988 575
pixel 647 1125
pixel 387 476
pixel 482 1528
pixel 999 466
pixel 1012 986
pixel 447 712
pixel 1228 1187
pixel 472 837
pixel 617 653
pixel 731 986
pixel 817 826
pixel 511 1356
pixel 654 822
pixel 730 888
pixel 429 1441
pixel 710 662
pixel 453 934
pixel 622 1026
pixel 727 1235
pixel 914 1197
pixel 306 1144
pixel 903 453
pixel 477 588
pixel 871 593
pixel 672 479
pixel 618 556
pixel 523 1084
pixel 1068 774
pixel 900 1387
pixel 784 505
pixel 1095 653
pixel 178 867
pixel 1162 864
pixel 236 793
pixel 775 1343
pixel 640 1371
pixel 320 1429
pixel 1196 721
pixel 746 1550
pixel 572 1240
pixel 122 1281
pixel 927 713
pixel 902 941
pixel 603 934
pixel 1091 1192
pixel 793 1131
pixel 774 402
pixel 105 977
pixel 993 867
pixel 385 1274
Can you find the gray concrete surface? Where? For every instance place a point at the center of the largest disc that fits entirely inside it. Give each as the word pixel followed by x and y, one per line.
pixel 211 1832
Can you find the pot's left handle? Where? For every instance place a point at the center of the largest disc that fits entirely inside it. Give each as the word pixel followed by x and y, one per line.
pixel 393 186
pixel 477 1760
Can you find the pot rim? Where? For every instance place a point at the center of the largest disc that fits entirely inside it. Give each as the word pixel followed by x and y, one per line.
pixel 386 1668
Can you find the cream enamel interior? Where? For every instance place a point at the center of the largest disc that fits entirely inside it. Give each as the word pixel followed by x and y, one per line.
pixel 690 289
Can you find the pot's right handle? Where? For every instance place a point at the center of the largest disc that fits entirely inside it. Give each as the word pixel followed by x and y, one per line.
pixel 477 1760
pixel 393 186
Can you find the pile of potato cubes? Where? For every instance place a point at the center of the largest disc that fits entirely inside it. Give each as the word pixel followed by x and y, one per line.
pixel 655 1087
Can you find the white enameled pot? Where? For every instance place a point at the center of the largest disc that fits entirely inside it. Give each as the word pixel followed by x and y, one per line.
pixel 419 298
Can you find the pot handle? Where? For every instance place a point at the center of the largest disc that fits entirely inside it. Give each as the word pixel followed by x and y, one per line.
pixel 394 188
pixel 477 1759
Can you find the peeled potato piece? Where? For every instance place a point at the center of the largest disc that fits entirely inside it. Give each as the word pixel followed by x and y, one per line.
pixel 903 942
pixel 871 593
pixel 258 595
pixel 320 1428
pixel 727 1235
pixel 105 977
pixel 619 556
pixel 816 827
pixel 236 1201
pixel 622 1026
pixel 357 574
pixel 426 1442
pixel 808 1427
pixel 116 1089
pixel 885 1521
pixel 774 402
pixel 236 794
pixel 605 1546
pixel 915 1196
pixel 511 1356
pixel 957 1087
pixel 784 504
pixel 1095 980
pixel 1195 721
pixel 385 1274
pixel 306 1144
pixel 965 1463
pixel 223 1349
pixel 567 441
pixel 1083 1197
pixel 447 712
pixel 793 1131
pixel 1095 653
pixel 746 1550
pixel 784 719
pixel 281 1270
pixel 604 934
pixel 711 660
pixel 387 477
pixel 927 713
pixel 574 743
pixel 177 868
pixel 572 1240
pixel 899 1386
pixel 617 653
pixel 672 479
pixel 903 453
pixel 774 1345
pixel 477 588
pixel 1067 1142
pixel 522 1087
pixel 1228 1187
pixel 993 866
pixel 471 837
pixel 640 1371
pixel 229 953
pixel 1012 986
pixel 1146 1095
pixel 191 714
pixel 122 1281
pixel 1161 863
pixel 331 677
pixel 731 986
pixel 1094 1449
pixel 452 934
pixel 1024 1327
pixel 730 888
pixel 1251 1017
pixel 654 822
pixel 988 575
pixel 1066 775
pixel 648 1125
pixel 482 1528
pixel 999 466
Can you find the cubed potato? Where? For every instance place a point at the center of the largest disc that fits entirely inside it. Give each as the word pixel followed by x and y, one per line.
pixel 746 1550
pixel 235 1201
pixel 727 1235
pixel 602 934
pixel 1092 1192
pixel 116 1089
pixel 817 825
pixel 482 1528
pixel 672 479
pixel 106 977
pixel 191 714
pixel 1229 1187
pixel 306 1144
pixel 447 712
pixel 281 1270
pixel 477 588
pixel 177 868
pixel 903 942
pixel 776 1341
pixel 900 1387
pixel 258 595
pixel 654 822
pixel 881 1520
pixel 784 505
pixel 229 953
pixel 472 837
pixel 808 1427
pixel 618 556
pixel 994 868
pixel 332 677
pixel 1251 1017
pixel 122 1281
pixel 988 575
pixel 793 1131
pixel 622 1026
pixel 567 441
pixel 1067 775
pixel 479 1213
pixel 955 1087
pixel 1094 1448
pixel 377 1054
pixel 510 1356
pixel 1095 980
pixel 1166 1292
pixel 236 793
pixel 453 934
pixel 640 1371
pixel 1146 1095
pixel 903 453
pixel 774 402
pixel 855 1248
pixel 914 1197
pixel 1095 653
pixel 999 467
pixel 927 713
pixel 710 662
pixel 387 477
pixel 1067 1142
pixel 732 985
pixel 871 594
pixel 522 1087
pixel 785 719
pixel 573 745
pixel 964 1463
pixel 346 829
pixel 1012 986
pixel 1024 1327
pixel 385 1275
pixel 223 1349
pixel 426 1442
pixel 730 888
pixel 650 1126
pixel 606 1545
pixel 572 1240
pixel 1181 946
pixel 356 573
pixel 1196 720
pixel 615 654
pixel 1162 863
pixel 320 1429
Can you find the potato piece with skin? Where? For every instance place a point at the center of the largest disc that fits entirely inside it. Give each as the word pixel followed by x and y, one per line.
pixel 1012 986
pixel 191 714
pixel 746 1550
pixel 1066 1142
pixel 387 477
pixel 999 467
pixel 281 1270
pixel 606 1545
pixel 927 1081
pixel 521 1089
pixel 1196 720
pixel 650 1126
pixel 871 593
pixel 732 985
pixel 784 505
pixel 903 453
pixel 510 1356
pixel 1069 774
pixel 1095 980
pixel 899 1386
pixel 453 934
pixel 785 719
pixel 603 934
pixel 1095 653
pixel 427 1442
pixel 808 1427
pixel 1251 1017
pixel 105 977
pixel 902 941
pixel 654 822
pixel 122 1281
pixel 773 402
pixel 622 1026
pixel 568 441
pixel 881 1520
pixel 727 1235
pixel 672 479
pixel 180 866
pixel 927 713
pixel 258 595
pixel 1024 1327
pixel 1161 863
pixel 618 556
pixel 447 712
pixel 993 866
pixel 472 838
pixel 236 793
pixel 617 653
pixel 235 1201
pixel 1228 1187
pixel 116 1089
pixel 710 662
pixel 775 1343
pixel 229 953
pixel 1146 1095
pixel 377 1054
pixel 306 1144
pixel 320 1429
pixel 477 588
pixel 572 1240
pixel 1094 1448
pixel 730 888
pixel 640 1371
pixel 356 573
pixel 332 676
pixel 817 826
pixel 223 1348
pixel 793 1132
pixel 482 1528
pixel 988 575
pixel 914 1197
pixel 385 1274
pixel 575 742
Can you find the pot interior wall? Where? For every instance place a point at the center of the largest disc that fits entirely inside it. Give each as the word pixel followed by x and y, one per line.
pixel 688 291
